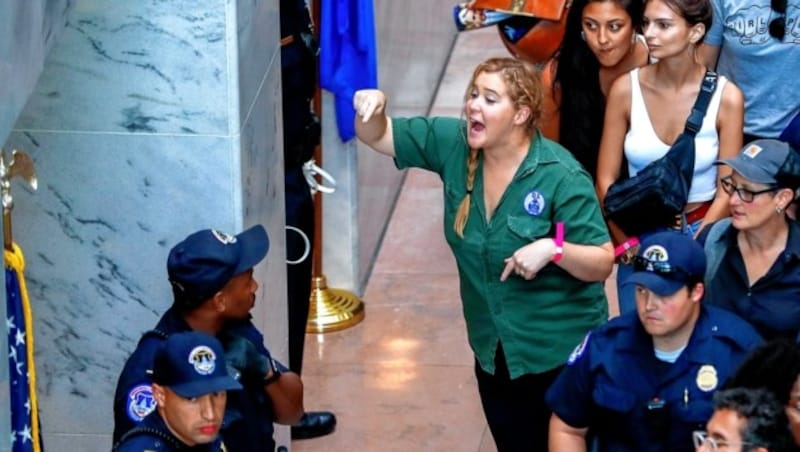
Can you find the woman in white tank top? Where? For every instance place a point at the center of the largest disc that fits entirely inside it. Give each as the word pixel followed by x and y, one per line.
pixel 647 110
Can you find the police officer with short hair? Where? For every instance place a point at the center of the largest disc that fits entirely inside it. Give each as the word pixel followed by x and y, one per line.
pixel 190 384
pixel 645 380
pixel 211 273
pixel 301 135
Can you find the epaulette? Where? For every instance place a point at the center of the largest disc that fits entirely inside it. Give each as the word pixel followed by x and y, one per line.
pixel 138 431
pixel 730 327
pixel 155 333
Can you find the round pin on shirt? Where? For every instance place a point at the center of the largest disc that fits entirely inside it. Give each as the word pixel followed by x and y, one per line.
pixel 534 203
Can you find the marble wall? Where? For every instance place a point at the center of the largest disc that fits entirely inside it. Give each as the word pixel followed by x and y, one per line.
pixel 151 119
pixel 28 30
pixel 414 42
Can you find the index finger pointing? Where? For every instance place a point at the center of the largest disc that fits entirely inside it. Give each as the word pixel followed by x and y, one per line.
pixel 507 270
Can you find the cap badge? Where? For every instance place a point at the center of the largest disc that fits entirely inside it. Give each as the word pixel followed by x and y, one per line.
pixel 534 203
pixel 655 253
pixel 226 239
pixel 752 151
pixel 707 378
pixel 203 359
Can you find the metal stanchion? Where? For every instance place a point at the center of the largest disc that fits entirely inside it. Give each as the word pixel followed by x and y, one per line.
pixel 330 309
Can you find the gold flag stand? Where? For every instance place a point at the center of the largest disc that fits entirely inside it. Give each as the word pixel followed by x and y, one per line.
pixel 330 309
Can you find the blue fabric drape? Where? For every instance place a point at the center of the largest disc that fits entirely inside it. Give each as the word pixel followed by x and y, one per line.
pixel 348 55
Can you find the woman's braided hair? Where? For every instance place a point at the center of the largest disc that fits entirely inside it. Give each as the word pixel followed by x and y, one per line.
pixel 525 90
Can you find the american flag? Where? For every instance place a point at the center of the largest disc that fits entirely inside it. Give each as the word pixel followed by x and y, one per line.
pixel 25 435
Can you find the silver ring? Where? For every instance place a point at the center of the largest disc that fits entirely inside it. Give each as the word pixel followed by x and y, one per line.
pixel 306 242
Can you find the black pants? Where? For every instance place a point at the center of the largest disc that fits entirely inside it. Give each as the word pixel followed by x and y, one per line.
pixel 300 214
pixel 515 409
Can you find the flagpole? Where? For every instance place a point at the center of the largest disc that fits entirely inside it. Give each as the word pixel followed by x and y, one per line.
pixel 25 433
pixel 330 309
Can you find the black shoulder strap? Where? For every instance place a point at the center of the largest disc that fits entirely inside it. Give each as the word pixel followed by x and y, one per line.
pixel 707 88
pixel 682 155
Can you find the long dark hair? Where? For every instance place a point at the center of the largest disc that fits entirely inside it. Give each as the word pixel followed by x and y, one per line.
pixel 577 79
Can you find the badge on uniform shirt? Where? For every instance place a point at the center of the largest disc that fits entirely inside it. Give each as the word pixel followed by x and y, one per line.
pixel 578 352
pixel 534 203
pixel 140 402
pixel 707 378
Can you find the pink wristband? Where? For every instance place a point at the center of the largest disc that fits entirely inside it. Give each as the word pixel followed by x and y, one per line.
pixel 628 244
pixel 559 241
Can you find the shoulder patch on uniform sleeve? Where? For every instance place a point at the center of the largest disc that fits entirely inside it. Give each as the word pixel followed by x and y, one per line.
pixel 140 402
pixel 578 352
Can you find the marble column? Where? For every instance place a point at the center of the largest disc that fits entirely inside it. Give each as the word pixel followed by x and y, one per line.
pixel 151 119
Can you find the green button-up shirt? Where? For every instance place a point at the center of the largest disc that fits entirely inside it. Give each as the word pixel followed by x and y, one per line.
pixel 539 321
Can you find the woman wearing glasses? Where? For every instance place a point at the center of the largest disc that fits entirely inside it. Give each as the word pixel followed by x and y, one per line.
pixel 754 257
pixel 647 110
pixel 752 38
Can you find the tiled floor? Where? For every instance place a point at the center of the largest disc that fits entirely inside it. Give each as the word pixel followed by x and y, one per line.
pixel 403 379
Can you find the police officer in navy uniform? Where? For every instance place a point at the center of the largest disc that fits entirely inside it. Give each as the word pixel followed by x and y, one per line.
pixel 645 380
pixel 190 384
pixel 301 135
pixel 211 274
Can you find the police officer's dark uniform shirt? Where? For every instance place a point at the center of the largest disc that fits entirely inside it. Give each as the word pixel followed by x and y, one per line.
pixel 133 399
pixel 631 401
pixel 301 128
pixel 153 435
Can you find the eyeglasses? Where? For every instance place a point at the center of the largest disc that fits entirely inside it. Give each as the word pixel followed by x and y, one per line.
pixel 665 269
pixel 777 26
pixel 701 438
pixel 743 193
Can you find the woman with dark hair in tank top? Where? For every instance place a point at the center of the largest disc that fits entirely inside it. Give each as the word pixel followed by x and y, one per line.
pixel 601 42
pixel 647 110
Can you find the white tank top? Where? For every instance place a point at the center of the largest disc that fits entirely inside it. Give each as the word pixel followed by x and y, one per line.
pixel 643 146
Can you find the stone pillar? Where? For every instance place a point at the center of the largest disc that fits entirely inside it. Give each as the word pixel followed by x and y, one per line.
pixel 151 120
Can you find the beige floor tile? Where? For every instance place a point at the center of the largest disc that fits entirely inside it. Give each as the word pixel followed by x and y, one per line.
pixel 387 407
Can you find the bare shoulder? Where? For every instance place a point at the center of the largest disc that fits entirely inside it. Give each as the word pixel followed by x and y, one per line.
pixel 620 89
pixel 548 75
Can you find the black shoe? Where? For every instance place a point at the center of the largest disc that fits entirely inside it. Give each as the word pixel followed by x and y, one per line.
pixel 314 424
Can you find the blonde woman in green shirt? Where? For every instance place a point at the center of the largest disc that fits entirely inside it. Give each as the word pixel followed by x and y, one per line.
pixel 525 226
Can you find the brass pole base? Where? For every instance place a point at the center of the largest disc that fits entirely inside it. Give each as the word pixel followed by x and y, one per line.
pixel 332 309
